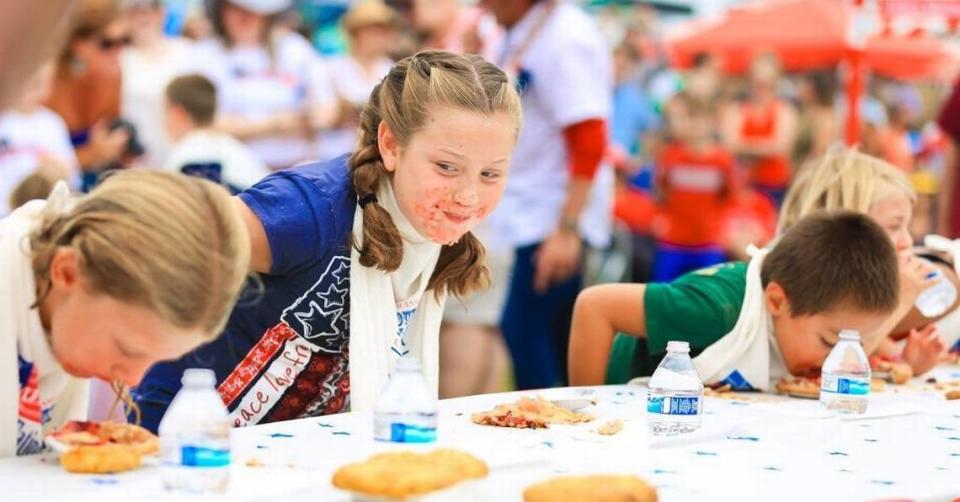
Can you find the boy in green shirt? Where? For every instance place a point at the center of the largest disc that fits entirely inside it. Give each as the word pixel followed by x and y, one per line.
pixel 747 325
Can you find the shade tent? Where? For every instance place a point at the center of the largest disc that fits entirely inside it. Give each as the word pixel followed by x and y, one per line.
pixel 804 34
pixel 808 35
pixel 914 57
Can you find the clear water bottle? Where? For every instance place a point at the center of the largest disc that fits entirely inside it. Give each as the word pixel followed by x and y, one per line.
pixel 935 300
pixel 406 411
pixel 845 376
pixel 675 393
pixel 195 437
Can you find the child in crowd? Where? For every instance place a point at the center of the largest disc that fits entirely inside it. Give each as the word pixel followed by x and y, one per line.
pixel 144 268
pixel 358 254
pixel 35 148
pixel 854 181
pixel 694 180
pixel 747 324
pixel 761 130
pixel 201 150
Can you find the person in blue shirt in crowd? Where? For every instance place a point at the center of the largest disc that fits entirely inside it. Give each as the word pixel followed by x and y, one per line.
pixel 634 118
pixel 358 254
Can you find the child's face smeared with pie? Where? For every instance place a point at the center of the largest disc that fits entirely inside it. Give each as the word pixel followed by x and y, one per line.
pixel 96 335
pixel 806 341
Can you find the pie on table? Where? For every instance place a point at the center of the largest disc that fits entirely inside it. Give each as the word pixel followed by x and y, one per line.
pixel 398 475
pixel 530 413
pixel 104 447
pixel 806 387
pixel 893 371
pixel 101 459
pixel 605 488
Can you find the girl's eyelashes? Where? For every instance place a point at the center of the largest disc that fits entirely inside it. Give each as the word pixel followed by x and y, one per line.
pixel 446 168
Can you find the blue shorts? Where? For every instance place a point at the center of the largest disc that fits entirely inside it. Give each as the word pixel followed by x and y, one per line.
pixel 671 261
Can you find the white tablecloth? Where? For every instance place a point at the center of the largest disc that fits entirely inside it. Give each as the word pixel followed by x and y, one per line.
pixel 907 446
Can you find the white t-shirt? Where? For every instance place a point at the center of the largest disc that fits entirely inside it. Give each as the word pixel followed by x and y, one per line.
pixel 567 67
pixel 253 85
pixel 352 84
pixel 145 80
pixel 239 166
pixel 37 392
pixel 25 138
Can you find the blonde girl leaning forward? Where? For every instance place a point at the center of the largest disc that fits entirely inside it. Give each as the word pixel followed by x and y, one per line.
pixel 143 269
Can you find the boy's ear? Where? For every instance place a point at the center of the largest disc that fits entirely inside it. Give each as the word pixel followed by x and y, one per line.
pixel 776 299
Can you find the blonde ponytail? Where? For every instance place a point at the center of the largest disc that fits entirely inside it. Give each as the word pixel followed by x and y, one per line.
pixel 169 242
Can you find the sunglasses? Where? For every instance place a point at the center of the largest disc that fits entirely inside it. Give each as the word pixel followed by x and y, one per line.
pixel 108 44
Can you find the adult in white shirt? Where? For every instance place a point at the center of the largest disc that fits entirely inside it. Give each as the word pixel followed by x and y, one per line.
pixel 148 65
pixel 370 28
pixel 559 195
pixel 274 94
pixel 191 105
pixel 32 139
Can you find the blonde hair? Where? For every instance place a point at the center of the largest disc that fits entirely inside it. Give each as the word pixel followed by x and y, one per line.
pixel 844 179
pixel 165 241
pixel 403 100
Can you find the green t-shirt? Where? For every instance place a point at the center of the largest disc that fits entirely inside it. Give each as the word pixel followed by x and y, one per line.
pixel 699 308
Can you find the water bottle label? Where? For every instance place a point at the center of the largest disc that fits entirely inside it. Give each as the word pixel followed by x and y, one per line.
pixel 196 456
pixel 849 386
pixel 677 405
pixel 404 433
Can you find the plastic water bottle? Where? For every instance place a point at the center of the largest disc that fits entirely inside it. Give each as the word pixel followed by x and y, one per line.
pixel 935 300
pixel 406 411
pixel 195 437
pixel 845 376
pixel 675 393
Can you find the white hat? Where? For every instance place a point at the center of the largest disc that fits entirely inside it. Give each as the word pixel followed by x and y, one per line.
pixel 264 7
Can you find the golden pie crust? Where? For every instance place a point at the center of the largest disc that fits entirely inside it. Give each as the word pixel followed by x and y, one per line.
pixel 897 373
pixel 804 387
pixel 600 488
pixel 104 447
pixel 404 474
pixel 102 459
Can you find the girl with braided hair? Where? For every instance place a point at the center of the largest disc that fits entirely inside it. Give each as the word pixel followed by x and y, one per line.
pixel 359 253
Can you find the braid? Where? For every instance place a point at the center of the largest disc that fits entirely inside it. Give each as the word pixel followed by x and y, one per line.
pixel 461 268
pixel 382 246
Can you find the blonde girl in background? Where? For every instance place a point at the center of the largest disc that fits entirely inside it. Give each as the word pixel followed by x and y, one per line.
pixel 849 180
pixel 143 269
